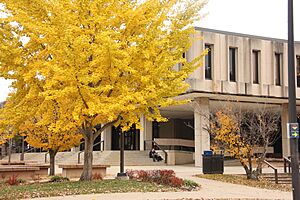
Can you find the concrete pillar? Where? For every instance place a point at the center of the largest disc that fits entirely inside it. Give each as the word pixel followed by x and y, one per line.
pixel 106 137
pixel 201 119
pixel 75 149
pixel 145 133
pixel 142 133
pixel 102 145
pixel 284 121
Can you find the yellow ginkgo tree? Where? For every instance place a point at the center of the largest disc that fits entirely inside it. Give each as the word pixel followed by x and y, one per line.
pixel 46 138
pixel 103 62
pixel 53 142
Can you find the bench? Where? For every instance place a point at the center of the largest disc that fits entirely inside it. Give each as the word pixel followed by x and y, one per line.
pixel 12 163
pixel 43 168
pixel 75 171
pixel 23 172
pixel 4 162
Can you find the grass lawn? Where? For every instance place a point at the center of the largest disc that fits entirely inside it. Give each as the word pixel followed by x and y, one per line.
pixel 242 180
pixel 72 188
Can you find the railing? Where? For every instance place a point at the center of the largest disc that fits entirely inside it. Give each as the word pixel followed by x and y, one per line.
pixel 9 151
pixel 157 145
pixel 275 170
pixel 101 149
pixel 33 148
pixel 18 149
pixel 287 164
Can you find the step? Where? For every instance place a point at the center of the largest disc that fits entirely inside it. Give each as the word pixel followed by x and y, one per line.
pixel 104 157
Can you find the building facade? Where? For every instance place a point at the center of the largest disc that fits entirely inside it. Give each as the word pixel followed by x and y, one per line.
pixel 241 68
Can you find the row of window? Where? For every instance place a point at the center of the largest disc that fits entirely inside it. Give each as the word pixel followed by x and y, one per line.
pixel 256 64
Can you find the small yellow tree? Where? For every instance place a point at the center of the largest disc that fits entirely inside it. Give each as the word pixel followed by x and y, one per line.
pixel 43 136
pixel 225 131
pixel 53 142
pixel 103 62
pixel 240 132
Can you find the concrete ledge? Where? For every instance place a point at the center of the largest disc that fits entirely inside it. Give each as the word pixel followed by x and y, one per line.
pixel 24 172
pixel 12 163
pixel 43 168
pixel 75 171
pixel 176 157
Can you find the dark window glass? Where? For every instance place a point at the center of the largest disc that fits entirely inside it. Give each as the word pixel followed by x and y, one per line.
pixel 232 64
pixel 208 62
pixel 256 65
pixel 277 68
pixel 181 64
pixel 298 70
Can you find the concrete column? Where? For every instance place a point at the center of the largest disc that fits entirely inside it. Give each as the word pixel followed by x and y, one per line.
pixel 102 138
pixel 201 119
pixel 284 121
pixel 106 137
pixel 142 133
pixel 145 133
pixel 75 149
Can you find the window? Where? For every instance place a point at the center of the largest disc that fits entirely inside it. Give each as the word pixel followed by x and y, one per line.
pixel 298 70
pixel 208 62
pixel 232 64
pixel 277 68
pixel 255 65
pixel 180 65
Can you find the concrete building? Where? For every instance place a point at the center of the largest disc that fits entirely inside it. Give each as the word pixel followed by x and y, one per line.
pixel 249 69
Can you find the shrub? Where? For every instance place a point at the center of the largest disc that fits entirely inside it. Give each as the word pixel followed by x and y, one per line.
pixel 143 175
pixel 190 183
pixel 13 180
pixel 175 181
pixel 97 176
pixel 3 176
pixel 58 179
pixel 22 180
pixel 131 173
pixel 166 173
pixel 166 177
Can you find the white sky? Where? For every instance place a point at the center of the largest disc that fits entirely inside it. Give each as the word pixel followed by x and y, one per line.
pixel 255 17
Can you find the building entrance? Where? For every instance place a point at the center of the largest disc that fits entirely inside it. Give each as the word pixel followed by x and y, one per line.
pixel 131 138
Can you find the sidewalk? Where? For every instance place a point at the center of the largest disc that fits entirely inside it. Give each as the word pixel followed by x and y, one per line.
pixel 210 189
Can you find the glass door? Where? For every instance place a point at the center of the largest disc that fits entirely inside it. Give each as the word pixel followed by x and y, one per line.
pixel 131 138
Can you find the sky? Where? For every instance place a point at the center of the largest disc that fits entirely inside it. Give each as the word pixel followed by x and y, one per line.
pixel 255 17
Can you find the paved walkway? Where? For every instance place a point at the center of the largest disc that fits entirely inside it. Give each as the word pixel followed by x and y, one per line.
pixel 210 189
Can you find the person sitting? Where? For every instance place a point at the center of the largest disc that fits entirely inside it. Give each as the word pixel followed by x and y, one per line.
pixel 158 158
pixel 155 156
pixel 151 152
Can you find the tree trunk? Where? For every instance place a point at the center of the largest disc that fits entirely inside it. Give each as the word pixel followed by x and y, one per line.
pixel 22 150
pixel 248 172
pixel 9 151
pixel 52 154
pixel 88 156
pixel 260 161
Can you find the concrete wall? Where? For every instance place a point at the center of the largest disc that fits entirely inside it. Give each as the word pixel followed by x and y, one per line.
pixel 221 42
pixel 179 157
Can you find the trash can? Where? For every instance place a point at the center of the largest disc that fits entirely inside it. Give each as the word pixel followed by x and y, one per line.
pixel 212 163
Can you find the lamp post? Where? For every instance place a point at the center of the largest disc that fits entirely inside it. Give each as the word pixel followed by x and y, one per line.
pixel 122 174
pixel 292 103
